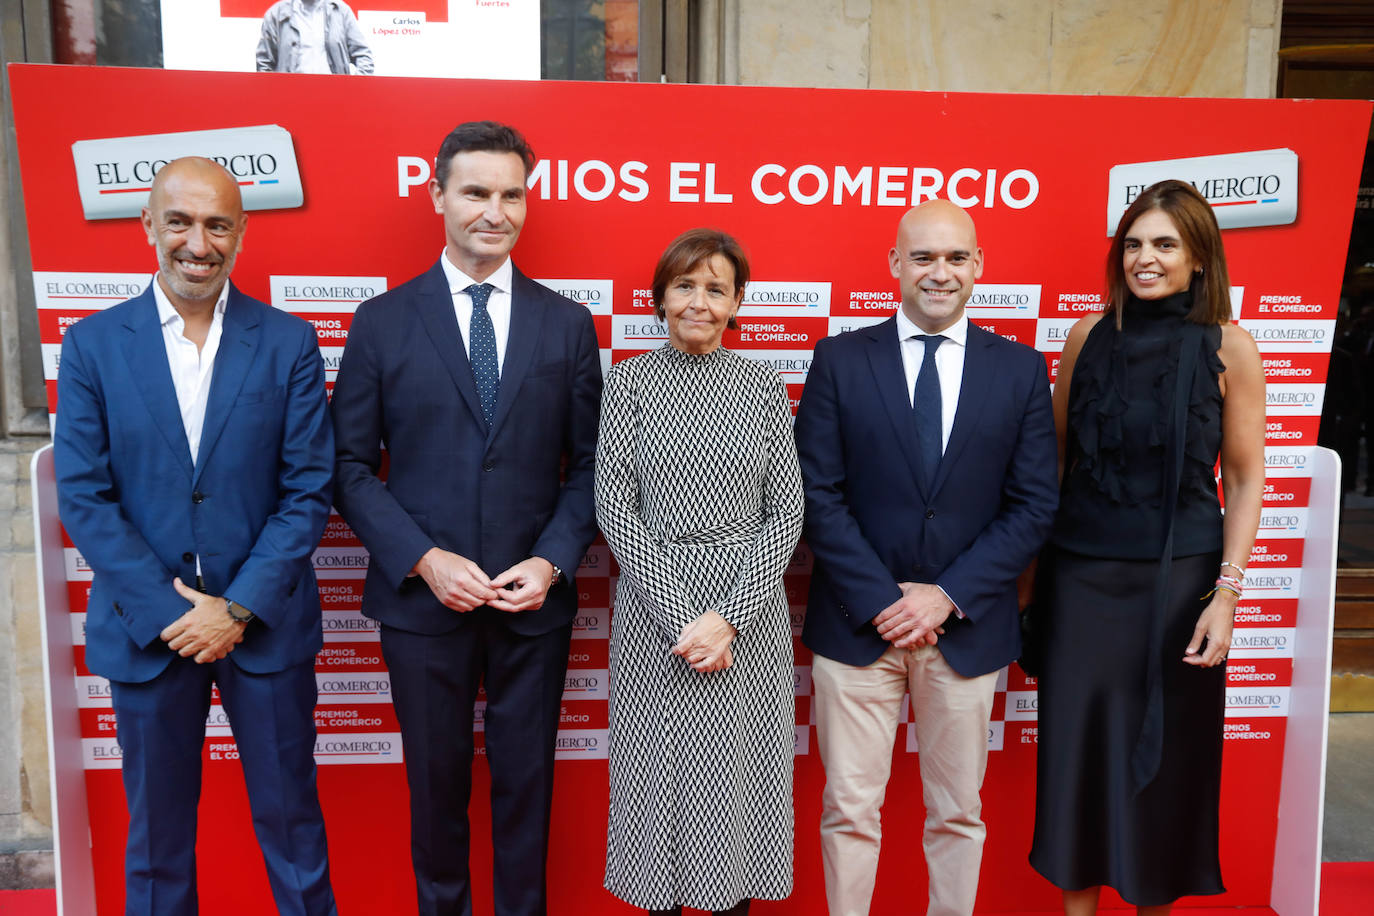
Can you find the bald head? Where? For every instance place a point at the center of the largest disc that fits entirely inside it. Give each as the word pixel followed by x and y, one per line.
pixel 195 220
pixel 936 212
pixel 936 260
pixel 196 172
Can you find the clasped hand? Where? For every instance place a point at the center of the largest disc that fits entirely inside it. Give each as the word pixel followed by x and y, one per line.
pixel 705 643
pixel 461 585
pixel 206 631
pixel 916 618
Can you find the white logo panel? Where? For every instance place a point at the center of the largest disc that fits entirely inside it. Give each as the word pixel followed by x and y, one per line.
pixel 376 747
pixel 1258 188
pixel 1004 300
pixel 1262 642
pixel 580 744
pixel 1242 702
pixel 354 687
pixel 1293 400
pixel 115 174
pixel 594 294
pixel 1278 335
pixel 780 298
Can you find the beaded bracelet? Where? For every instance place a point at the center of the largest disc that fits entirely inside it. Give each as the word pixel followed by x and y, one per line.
pixel 1230 584
pixel 1239 569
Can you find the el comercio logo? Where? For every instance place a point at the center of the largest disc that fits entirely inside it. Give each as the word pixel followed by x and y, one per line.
pixel 1258 188
pixel 115 174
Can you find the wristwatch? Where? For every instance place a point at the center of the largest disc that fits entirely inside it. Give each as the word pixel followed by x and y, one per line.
pixel 557 574
pixel 238 612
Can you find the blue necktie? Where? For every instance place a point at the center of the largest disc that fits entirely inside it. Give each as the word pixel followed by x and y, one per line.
pixel 482 350
pixel 925 408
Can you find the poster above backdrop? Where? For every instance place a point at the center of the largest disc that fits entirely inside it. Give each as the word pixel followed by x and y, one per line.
pixel 495 39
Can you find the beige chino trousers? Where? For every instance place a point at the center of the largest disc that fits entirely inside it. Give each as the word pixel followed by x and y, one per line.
pixel 857 712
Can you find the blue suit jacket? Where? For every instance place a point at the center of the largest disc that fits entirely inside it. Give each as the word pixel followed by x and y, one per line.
pixel 523 489
pixel 869 524
pixel 252 507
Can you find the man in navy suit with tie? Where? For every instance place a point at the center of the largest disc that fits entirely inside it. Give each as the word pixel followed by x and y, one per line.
pixel 928 451
pixel 194 459
pixel 485 389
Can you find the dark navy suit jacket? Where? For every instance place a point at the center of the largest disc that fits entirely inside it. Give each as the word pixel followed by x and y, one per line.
pixel 870 525
pixel 252 507
pixel 494 497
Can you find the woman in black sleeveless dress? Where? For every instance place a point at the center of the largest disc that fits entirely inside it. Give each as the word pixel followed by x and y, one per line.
pixel 1144 572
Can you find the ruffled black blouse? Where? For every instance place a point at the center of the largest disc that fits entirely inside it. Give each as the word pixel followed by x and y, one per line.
pixel 1121 408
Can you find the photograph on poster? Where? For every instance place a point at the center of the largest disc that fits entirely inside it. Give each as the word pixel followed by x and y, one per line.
pixel 362 37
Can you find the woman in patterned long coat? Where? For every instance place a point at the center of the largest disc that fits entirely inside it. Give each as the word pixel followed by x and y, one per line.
pixel 699 495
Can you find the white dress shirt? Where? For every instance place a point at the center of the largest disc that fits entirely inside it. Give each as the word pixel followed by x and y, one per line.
pixel 309 23
pixel 498 304
pixel 192 368
pixel 949 361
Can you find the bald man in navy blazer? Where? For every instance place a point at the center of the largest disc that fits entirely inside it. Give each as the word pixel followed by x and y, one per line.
pixel 194 459
pixel 928 452
pixel 485 388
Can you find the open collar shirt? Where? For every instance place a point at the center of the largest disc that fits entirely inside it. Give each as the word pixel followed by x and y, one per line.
pixel 192 367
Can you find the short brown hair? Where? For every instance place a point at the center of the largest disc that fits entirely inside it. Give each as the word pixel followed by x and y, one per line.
pixel 1201 237
pixel 689 251
pixel 481 137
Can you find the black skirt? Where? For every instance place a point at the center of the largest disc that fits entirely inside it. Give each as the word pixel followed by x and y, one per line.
pixel 1091 828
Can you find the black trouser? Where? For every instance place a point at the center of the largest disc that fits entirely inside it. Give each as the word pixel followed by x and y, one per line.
pixel 434 682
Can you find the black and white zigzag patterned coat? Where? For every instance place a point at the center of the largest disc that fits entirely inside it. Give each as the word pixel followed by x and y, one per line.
pixel 700 497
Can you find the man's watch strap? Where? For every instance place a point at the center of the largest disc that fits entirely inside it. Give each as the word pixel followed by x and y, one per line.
pixel 238 612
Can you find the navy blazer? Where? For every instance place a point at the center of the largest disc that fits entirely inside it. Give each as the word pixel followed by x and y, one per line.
pixel 869 524
pixel 523 489
pixel 252 507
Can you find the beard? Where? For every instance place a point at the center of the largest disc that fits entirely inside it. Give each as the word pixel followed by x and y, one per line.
pixel 195 290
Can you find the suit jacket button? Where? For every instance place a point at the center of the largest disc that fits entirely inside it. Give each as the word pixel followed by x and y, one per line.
pixel 930 513
pixel 488 466
pixel 119 611
pixel 197 497
pixel 187 557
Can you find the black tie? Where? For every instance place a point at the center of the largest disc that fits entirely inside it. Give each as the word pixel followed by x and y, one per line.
pixel 925 407
pixel 482 350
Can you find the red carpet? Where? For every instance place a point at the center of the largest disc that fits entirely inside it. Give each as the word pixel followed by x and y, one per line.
pixel 1346 888
pixel 28 903
pixel 1346 891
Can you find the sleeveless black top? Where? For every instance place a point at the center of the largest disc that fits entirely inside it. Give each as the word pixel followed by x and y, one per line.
pixel 1121 403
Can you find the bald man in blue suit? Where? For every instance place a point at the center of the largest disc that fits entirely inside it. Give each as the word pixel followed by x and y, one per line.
pixel 928 453
pixel 194 459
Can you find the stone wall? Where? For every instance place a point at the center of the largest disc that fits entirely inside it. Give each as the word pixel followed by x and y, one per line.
pixel 1221 48
pixel 25 811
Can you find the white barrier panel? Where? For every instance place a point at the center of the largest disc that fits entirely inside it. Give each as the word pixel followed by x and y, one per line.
pixel 71 832
pixel 1298 846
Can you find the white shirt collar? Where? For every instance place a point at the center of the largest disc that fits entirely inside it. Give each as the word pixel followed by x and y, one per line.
pixel 459 282
pixel 166 312
pixel 956 333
